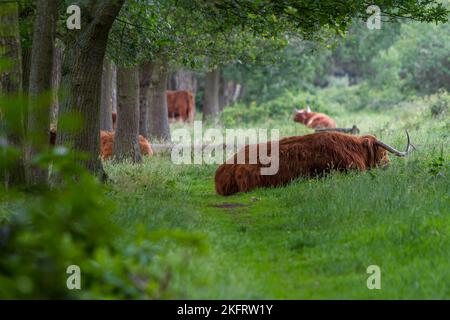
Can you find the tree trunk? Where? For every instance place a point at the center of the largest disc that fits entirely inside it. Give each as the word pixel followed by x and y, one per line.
pixel 11 121
pixel 211 97
pixel 106 97
pixel 159 128
pixel 172 81
pixel 126 140
pixel 81 81
pixel 40 88
pixel 114 87
pixel 56 82
pixel 182 80
pixel 223 93
pixel 145 72
pixel 26 66
pixel 236 91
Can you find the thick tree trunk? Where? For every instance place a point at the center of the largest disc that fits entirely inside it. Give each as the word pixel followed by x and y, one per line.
pixel 40 88
pixel 159 128
pixel 145 73
pixel 11 121
pixel 81 81
pixel 182 80
pixel 211 97
pixel 106 97
pixel 126 141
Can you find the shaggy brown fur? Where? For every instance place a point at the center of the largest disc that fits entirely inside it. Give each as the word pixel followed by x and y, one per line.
pixel 180 105
pixel 302 156
pixel 313 119
pixel 107 143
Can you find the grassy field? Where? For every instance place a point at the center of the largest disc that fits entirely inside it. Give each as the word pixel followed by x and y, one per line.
pixel 314 238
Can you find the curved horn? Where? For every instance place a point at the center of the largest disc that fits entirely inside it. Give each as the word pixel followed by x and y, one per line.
pixel 409 147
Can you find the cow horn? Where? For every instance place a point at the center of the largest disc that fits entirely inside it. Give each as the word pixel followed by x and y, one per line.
pixel 308 109
pixel 409 147
pixel 295 110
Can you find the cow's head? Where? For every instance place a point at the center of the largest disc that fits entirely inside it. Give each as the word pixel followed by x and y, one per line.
pixel 377 150
pixel 301 115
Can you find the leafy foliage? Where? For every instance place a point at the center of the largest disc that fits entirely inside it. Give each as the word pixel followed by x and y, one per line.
pixel 45 229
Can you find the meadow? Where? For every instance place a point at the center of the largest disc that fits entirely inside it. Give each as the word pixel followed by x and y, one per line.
pixel 314 238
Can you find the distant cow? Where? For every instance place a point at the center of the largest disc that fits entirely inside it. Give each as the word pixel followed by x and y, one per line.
pixel 306 156
pixel 180 105
pixel 107 143
pixel 313 119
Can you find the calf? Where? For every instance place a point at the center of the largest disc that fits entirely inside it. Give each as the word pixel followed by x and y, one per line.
pixel 305 156
pixel 313 119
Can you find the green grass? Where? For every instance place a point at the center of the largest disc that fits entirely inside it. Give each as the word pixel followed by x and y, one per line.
pixel 314 238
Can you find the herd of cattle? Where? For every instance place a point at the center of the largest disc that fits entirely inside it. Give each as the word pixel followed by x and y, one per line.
pixel 299 156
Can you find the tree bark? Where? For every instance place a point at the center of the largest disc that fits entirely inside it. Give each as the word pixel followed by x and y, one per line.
pixel 11 121
pixel 126 140
pixel 182 80
pixel 81 81
pixel 145 72
pixel 211 96
pixel 106 97
pixel 56 82
pixel 223 93
pixel 172 81
pixel 40 88
pixel 114 87
pixel 159 128
pixel 26 66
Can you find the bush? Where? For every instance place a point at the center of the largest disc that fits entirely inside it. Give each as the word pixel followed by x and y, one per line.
pixel 45 229
pixel 439 104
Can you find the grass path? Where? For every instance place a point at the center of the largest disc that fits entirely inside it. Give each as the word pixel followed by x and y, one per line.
pixel 313 238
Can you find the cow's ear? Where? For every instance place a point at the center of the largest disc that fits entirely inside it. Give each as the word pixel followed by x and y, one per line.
pixel 308 109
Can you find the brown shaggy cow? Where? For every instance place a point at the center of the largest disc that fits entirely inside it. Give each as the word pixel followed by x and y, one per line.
pixel 180 105
pixel 107 143
pixel 313 119
pixel 306 156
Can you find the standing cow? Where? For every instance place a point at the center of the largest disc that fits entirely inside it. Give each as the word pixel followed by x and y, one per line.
pixel 305 156
pixel 313 120
pixel 180 105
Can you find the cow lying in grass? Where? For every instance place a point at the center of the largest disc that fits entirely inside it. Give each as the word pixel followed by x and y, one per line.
pixel 313 120
pixel 107 143
pixel 180 105
pixel 305 156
